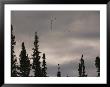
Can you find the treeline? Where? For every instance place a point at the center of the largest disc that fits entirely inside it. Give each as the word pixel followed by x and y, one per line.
pixel 40 68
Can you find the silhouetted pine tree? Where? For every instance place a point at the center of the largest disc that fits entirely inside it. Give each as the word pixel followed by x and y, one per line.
pixel 24 62
pixel 81 68
pixel 44 68
pixel 97 64
pixel 13 59
pixel 36 58
pixel 58 73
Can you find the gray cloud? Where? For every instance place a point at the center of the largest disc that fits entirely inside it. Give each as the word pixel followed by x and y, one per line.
pixel 74 33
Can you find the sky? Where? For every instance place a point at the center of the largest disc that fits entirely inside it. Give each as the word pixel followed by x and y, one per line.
pixel 73 33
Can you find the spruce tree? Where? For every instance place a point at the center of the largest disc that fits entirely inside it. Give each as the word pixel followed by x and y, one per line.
pixel 58 73
pixel 13 56
pixel 97 64
pixel 24 62
pixel 44 68
pixel 36 58
pixel 81 68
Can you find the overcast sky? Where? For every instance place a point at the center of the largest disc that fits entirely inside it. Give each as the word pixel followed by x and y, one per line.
pixel 73 33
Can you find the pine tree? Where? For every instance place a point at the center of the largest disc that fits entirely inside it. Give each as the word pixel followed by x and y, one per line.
pixel 97 64
pixel 58 73
pixel 81 68
pixel 44 68
pixel 36 58
pixel 24 62
pixel 13 56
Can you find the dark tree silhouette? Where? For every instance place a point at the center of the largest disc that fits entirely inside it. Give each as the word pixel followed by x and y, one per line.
pixel 36 58
pixel 24 62
pixel 44 68
pixel 67 75
pixel 81 68
pixel 13 56
pixel 58 73
pixel 97 64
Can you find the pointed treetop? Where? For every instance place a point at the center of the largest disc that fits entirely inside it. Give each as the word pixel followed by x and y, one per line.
pixel 43 55
pixel 35 33
pixel 58 67
pixel 82 60
pixel 82 56
pixel 97 57
pixel 11 26
pixel 58 73
pixel 22 43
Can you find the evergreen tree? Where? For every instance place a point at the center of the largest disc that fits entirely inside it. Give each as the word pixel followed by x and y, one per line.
pixel 97 64
pixel 36 58
pixel 44 68
pixel 24 62
pixel 58 73
pixel 13 56
pixel 81 68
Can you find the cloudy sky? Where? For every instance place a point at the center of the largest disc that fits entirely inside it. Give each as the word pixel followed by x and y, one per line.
pixel 73 33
